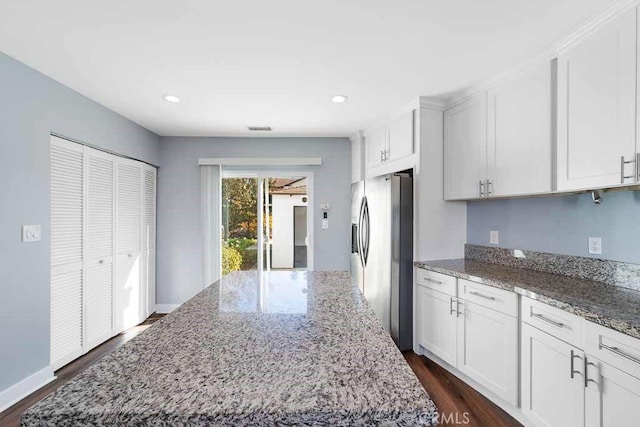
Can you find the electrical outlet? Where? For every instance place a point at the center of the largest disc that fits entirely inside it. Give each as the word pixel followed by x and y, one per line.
pixel 595 245
pixel 494 237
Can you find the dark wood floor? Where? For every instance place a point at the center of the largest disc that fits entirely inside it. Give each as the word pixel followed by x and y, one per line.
pixel 452 396
pixel 11 416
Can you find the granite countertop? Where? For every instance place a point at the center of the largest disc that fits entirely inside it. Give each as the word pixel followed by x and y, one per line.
pixel 278 348
pixel 608 305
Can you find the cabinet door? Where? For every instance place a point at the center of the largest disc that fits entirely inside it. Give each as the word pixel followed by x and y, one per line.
pixel 550 396
pixel 128 244
pixel 376 145
pixel 100 215
pixel 149 239
pixel 436 319
pixel 488 349
pixel 401 136
pixel 613 399
pixel 67 234
pixel 519 143
pixel 465 149
pixel 596 107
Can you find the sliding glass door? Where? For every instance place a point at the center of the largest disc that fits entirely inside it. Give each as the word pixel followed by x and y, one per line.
pixel 265 223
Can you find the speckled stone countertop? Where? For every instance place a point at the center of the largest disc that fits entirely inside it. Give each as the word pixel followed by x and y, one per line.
pixel 279 348
pixel 611 306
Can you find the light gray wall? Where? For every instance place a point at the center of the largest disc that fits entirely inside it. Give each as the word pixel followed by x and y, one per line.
pixel 561 224
pixel 33 105
pixel 179 231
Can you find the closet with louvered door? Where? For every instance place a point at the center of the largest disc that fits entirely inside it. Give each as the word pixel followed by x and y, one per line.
pixel 129 214
pixel 99 265
pixel 67 237
pixel 149 238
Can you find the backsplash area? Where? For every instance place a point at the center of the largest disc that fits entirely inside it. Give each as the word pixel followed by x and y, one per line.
pixel 561 224
pixel 626 275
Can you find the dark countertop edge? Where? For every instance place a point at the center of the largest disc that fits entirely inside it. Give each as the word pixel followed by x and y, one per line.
pixel 613 323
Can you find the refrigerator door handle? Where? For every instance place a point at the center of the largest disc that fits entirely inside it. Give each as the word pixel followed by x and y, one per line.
pixel 360 239
pixel 367 235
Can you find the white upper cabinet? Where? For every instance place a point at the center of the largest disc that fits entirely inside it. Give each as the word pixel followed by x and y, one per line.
pixel 376 142
pixel 597 108
pixel 391 142
pixel 401 136
pixel 519 127
pixel 465 149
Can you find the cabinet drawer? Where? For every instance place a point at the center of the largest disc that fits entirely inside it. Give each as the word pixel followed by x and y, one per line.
pixel 613 347
pixel 436 281
pixel 496 299
pixel 559 323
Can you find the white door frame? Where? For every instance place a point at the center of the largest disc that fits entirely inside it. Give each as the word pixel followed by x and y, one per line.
pixel 261 174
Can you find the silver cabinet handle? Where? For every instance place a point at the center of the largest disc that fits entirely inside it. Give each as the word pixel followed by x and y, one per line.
pixel 458 313
pixel 451 309
pixel 433 281
pixel 587 380
pixel 381 156
pixel 101 261
pixel 620 353
pixel 546 319
pixel 489 183
pixel 478 294
pixel 386 155
pixel 622 163
pixel 573 356
pixel 481 188
pixel 637 167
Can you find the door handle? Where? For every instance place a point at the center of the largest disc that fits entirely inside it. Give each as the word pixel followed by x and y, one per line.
pixel 478 294
pixel 625 162
pixel 587 380
pixel 573 356
pixel 481 188
pixel 546 319
pixel 619 352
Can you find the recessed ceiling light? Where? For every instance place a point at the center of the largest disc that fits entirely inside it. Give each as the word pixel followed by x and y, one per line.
pixel 170 98
pixel 339 99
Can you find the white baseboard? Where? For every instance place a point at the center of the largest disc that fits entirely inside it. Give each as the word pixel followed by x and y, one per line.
pixel 166 308
pixel 22 389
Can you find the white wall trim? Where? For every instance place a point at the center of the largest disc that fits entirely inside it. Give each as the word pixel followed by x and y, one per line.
pixel 588 27
pixel 261 161
pixel 166 308
pixel 22 389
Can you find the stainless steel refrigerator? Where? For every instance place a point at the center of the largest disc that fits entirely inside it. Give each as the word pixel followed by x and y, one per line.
pixel 382 250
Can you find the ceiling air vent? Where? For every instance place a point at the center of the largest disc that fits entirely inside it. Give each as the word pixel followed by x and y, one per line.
pixel 259 128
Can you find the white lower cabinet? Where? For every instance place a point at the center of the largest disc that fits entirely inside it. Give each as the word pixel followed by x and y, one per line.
pixel 488 349
pixel 564 385
pixel 570 372
pixel 612 396
pixel 479 341
pixel 437 320
pixel 552 380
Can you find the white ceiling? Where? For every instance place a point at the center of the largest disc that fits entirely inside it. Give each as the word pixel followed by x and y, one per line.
pixel 253 62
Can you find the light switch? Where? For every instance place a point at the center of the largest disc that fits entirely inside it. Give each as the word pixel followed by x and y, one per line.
pixel 494 237
pixel 31 233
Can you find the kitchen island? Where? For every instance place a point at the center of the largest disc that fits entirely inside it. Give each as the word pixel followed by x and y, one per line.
pixel 272 348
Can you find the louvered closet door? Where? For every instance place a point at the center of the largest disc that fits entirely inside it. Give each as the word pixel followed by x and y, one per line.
pixel 149 238
pixel 98 286
pixel 128 244
pixel 67 205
